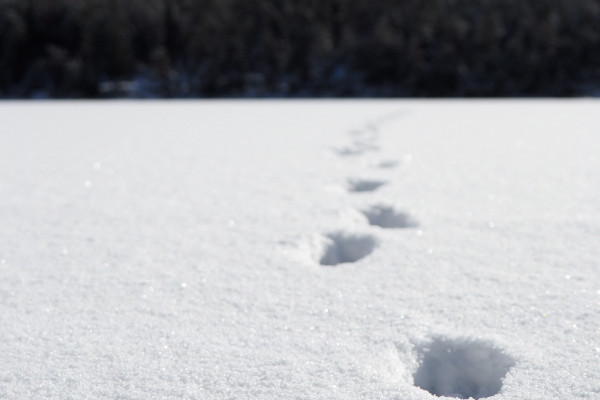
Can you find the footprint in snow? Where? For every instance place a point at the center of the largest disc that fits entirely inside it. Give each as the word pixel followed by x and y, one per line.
pixel 369 129
pixel 341 247
pixel 461 368
pixel 364 185
pixel 388 164
pixel 357 132
pixel 388 217
pixel 356 149
pixel 348 151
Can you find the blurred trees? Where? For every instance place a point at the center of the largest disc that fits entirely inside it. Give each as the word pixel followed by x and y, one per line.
pixel 95 48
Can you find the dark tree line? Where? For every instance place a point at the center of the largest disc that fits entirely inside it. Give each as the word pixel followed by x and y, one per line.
pixel 188 48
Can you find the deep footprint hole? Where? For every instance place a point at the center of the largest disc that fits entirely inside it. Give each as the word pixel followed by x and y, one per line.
pixel 343 247
pixel 462 368
pixel 388 217
pixel 364 185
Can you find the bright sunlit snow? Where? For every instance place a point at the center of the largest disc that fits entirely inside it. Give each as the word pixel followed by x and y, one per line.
pixel 300 250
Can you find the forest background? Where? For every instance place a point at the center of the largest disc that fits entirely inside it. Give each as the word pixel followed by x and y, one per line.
pixel 308 48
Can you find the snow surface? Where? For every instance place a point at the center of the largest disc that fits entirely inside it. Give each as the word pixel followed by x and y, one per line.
pixel 300 250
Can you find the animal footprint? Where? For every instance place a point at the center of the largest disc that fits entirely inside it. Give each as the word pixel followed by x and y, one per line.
pixel 364 185
pixel 341 247
pixel 389 217
pixel 462 368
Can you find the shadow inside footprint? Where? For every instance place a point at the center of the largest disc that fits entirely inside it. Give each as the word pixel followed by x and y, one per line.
pixel 462 368
pixel 388 164
pixel 388 217
pixel 356 149
pixel 348 151
pixel 343 247
pixel 364 185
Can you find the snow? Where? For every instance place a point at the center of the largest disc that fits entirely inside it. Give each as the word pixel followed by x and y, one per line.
pixel 300 250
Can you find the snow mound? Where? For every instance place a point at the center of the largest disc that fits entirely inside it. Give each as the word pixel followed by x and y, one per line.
pixel 341 247
pixel 462 368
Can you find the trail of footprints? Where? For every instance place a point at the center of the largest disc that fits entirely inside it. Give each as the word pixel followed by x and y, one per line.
pixel 451 367
pixel 345 247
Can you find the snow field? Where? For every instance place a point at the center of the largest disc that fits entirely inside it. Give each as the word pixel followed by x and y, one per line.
pixel 301 250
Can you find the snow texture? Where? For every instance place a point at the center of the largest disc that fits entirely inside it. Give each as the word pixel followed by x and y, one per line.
pixel 181 250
